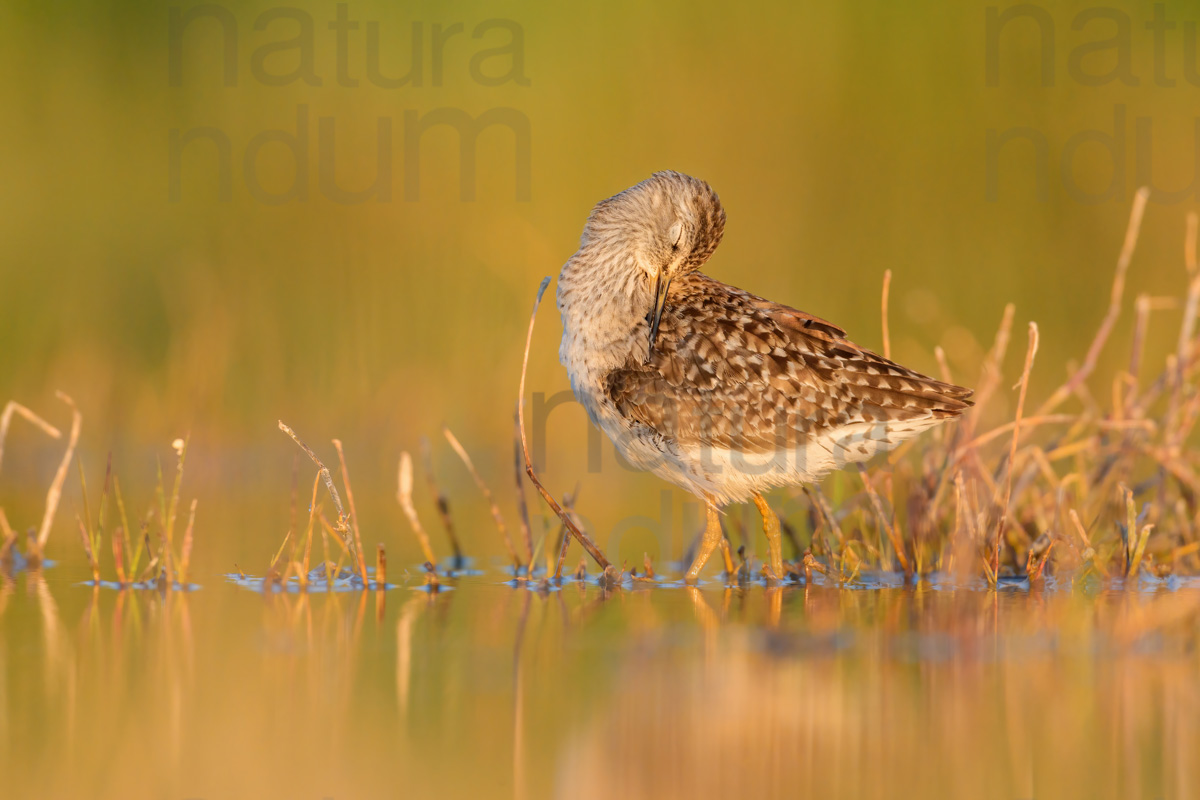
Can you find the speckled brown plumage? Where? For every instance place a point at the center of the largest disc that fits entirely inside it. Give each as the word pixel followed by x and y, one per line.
pixel 722 392
pixel 736 371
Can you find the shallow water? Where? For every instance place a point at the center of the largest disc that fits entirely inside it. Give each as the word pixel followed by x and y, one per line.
pixel 490 690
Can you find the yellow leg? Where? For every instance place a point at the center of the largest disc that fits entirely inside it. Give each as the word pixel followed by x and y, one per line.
pixel 712 537
pixel 774 540
pixel 727 554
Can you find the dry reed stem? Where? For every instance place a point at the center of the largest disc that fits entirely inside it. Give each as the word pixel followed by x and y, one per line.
pixel 818 499
pixel 811 563
pixel 1030 354
pixel 358 547
pixel 1135 540
pixel 959 532
pixel 887 342
pixel 60 476
pixel 103 501
pixel 1141 321
pixel 287 537
pixel 326 562
pixel 1188 328
pixel 431 579
pixel 1192 413
pixel 1130 525
pixel 151 567
pixel 943 365
pixel 1114 306
pixel 1146 305
pixel 145 548
pixel 87 549
pixel 563 545
pixel 13 407
pixel 404 497
pixel 936 493
pixel 342 527
pixel 92 549
pixel 1027 422
pixel 1036 564
pixel 180 447
pixel 584 540
pixel 888 527
pixel 487 494
pixel 440 499
pixel 325 523
pixel 1043 464
pixel 118 551
pixel 569 499
pixel 1139 550
pixel 185 557
pixel 990 377
pixel 125 529
pixel 519 477
pixel 380 567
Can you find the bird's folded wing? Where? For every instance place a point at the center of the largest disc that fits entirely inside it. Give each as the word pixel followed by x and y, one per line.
pixel 733 370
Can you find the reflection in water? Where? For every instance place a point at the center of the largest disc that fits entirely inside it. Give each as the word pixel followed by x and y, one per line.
pixel 491 691
pixel 404 629
pixel 1029 696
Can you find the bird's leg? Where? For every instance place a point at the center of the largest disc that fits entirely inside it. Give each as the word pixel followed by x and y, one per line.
pixel 712 537
pixel 727 554
pixel 774 541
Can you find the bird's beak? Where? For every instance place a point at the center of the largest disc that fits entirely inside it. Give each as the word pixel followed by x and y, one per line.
pixel 662 283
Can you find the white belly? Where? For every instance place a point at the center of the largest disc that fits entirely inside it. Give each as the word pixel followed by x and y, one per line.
pixel 732 476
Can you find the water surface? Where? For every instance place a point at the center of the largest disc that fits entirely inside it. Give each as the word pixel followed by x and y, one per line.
pixel 492 691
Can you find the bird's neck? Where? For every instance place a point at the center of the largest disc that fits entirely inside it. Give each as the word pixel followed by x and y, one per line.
pixel 603 301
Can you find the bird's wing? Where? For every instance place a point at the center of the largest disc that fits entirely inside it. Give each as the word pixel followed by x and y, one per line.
pixel 733 370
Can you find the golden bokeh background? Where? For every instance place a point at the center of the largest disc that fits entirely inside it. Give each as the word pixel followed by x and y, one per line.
pixel 986 153
pixel 843 139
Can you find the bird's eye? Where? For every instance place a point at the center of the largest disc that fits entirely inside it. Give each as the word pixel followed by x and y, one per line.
pixel 675 235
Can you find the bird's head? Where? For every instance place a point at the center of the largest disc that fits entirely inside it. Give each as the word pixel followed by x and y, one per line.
pixel 667 225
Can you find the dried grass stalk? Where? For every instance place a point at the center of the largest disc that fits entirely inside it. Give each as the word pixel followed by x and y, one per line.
pixel 1030 354
pixel 584 540
pixel 519 477
pixel 487 494
pixel 54 494
pixel 358 546
pixel 185 556
pixel 443 503
pixel 887 341
pixel 404 496
pixel 886 523
pixel 343 527
pixel 380 567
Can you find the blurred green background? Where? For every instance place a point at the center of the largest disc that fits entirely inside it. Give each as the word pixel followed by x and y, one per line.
pixel 843 139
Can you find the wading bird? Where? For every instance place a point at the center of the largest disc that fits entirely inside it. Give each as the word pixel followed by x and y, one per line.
pixel 719 391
